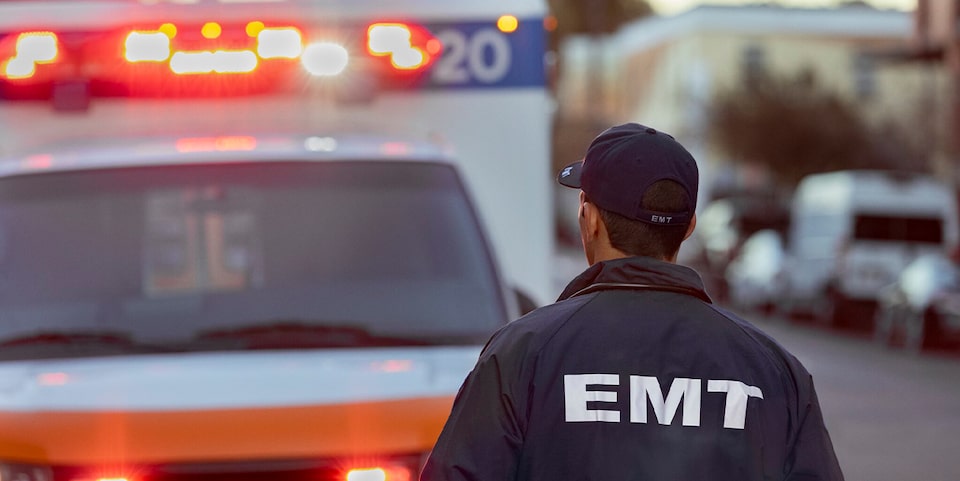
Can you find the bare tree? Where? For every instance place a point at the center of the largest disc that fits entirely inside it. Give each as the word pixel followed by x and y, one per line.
pixel 794 127
pixel 596 18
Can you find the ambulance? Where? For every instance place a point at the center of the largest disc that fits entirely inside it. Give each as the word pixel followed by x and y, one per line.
pixel 260 239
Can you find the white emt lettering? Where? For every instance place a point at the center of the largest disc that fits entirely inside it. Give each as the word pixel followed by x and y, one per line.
pixel 646 389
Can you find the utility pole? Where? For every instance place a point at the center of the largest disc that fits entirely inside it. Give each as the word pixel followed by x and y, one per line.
pixel 937 35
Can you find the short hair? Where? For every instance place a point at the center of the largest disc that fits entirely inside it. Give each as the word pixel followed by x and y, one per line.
pixel 638 238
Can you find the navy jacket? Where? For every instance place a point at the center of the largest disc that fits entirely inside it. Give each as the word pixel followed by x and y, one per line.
pixel 634 375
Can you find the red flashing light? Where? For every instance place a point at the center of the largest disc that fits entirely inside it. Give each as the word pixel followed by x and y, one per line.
pixel 409 47
pixel 283 42
pixel 395 149
pixel 220 61
pixel 393 473
pixel 38 162
pixel 393 365
pixel 325 59
pixel 147 47
pixel 434 46
pixel 216 144
pixel 214 59
pixel 30 50
pixel 54 378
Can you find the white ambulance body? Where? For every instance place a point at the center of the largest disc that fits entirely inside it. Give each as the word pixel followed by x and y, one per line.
pixel 347 377
pixel 483 93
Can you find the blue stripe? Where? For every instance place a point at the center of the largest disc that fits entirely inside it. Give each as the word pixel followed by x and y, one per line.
pixel 479 55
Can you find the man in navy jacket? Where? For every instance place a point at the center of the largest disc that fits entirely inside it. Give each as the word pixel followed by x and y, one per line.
pixel 633 374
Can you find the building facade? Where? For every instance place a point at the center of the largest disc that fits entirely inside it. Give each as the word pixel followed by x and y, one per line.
pixel 666 71
pixel 936 41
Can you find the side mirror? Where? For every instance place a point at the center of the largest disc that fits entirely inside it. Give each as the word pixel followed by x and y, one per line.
pixel 525 303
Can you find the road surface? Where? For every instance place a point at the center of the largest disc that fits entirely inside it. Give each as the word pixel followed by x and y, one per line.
pixel 893 416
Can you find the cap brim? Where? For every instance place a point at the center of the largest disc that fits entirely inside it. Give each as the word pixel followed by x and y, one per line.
pixel 570 175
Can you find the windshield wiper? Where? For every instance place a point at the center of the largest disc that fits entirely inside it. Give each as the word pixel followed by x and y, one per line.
pixel 96 339
pixel 293 334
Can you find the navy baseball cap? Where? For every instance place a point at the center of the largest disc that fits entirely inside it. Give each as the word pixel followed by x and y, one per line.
pixel 623 162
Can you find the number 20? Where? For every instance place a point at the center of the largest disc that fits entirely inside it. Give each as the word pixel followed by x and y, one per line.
pixel 464 57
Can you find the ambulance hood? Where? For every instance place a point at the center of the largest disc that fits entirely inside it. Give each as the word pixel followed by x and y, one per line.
pixel 225 380
pixel 228 407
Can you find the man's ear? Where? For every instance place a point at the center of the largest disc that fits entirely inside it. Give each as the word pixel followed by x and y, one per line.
pixel 590 221
pixel 693 225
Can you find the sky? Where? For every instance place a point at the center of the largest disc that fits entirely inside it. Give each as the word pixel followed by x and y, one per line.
pixel 670 7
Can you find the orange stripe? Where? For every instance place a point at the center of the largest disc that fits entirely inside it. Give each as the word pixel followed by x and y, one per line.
pixel 83 438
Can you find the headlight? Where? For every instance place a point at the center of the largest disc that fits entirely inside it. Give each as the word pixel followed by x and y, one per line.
pixel 402 468
pixel 24 472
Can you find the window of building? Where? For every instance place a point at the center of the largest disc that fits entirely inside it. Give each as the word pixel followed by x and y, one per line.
pixel 753 63
pixel 864 76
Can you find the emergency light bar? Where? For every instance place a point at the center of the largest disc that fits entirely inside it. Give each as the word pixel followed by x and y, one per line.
pixel 158 46
pixel 171 59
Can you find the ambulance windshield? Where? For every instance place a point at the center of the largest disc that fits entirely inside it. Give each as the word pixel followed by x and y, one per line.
pixel 162 255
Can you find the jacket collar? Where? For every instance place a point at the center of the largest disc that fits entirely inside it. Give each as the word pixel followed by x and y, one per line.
pixel 637 270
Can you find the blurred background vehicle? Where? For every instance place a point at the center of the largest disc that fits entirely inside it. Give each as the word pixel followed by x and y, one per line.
pixel 853 232
pixel 754 277
pixel 921 310
pixel 724 225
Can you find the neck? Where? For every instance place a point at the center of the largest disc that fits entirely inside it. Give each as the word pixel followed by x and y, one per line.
pixel 605 253
pixel 609 253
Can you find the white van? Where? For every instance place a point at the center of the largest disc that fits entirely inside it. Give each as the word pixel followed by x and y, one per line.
pixel 852 233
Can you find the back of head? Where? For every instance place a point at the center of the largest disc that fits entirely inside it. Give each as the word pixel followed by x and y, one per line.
pixel 644 183
pixel 638 238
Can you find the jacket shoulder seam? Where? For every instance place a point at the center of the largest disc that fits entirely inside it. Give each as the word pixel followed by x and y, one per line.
pixel 563 322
